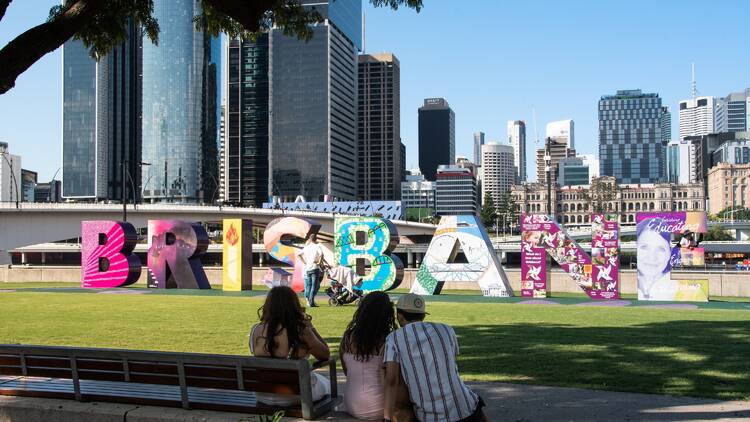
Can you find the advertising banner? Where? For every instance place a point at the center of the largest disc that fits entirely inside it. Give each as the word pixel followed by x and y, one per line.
pixel 237 256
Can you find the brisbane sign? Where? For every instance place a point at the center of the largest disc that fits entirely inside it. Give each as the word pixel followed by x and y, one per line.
pixel 366 245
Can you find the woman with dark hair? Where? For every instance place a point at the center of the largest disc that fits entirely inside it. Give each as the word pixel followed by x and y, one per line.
pixel 653 258
pixel 285 331
pixel 362 355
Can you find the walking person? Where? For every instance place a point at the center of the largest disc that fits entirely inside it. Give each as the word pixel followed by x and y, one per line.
pixel 312 258
pixel 423 354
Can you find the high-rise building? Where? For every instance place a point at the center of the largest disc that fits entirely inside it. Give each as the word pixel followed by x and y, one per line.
pixel 101 120
pixel 313 103
pixel 517 139
pixel 728 187
pixel 562 131
pixel 631 137
pixel 416 192
pixel 245 146
pixel 48 192
pixel 573 171
pixel 697 116
pixel 478 142
pixel 28 184
pixel 455 191
pixel 733 112
pixel 558 150
pixel 437 136
pixel 498 171
pixel 181 114
pixel 10 175
pixel 593 164
pixel 379 139
pixel 681 162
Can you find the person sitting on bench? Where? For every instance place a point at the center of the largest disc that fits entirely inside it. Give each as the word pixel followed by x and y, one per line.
pixel 285 331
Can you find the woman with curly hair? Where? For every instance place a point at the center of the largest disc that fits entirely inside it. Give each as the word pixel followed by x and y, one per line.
pixel 362 355
pixel 285 331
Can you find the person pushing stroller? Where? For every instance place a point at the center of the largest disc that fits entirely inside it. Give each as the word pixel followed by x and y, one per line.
pixel 344 288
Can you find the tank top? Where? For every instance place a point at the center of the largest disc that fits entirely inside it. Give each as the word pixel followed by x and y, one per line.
pixel 363 392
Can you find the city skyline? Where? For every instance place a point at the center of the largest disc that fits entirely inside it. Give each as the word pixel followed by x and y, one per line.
pixel 483 97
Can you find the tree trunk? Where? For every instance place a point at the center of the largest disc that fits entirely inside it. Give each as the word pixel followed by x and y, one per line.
pixel 3 7
pixel 27 48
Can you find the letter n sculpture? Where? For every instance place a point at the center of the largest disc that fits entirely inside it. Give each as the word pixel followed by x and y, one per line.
pixel 107 258
pixel 597 275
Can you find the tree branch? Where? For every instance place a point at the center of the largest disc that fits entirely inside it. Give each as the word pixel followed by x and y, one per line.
pixel 3 7
pixel 27 48
pixel 248 13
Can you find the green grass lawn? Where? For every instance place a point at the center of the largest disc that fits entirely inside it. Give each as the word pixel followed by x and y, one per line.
pixel 701 352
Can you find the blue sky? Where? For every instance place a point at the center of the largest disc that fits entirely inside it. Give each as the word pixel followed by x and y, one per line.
pixel 492 60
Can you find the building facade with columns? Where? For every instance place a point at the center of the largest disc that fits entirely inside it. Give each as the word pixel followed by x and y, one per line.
pixel 728 186
pixel 571 206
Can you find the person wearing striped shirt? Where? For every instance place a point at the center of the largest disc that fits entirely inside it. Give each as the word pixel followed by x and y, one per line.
pixel 423 356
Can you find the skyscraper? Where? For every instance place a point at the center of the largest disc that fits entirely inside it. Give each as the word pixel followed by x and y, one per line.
pixel 562 131
pixel 101 120
pixel 437 136
pixel 517 139
pixel 455 190
pixel 180 107
pixel 498 171
pixel 478 142
pixel 313 103
pixel 697 117
pixel 733 112
pixel 631 139
pixel 245 146
pixel 379 133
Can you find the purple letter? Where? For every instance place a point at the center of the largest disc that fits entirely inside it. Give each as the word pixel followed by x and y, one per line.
pixel 175 248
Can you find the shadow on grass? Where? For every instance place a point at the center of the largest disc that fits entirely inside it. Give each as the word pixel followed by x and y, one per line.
pixel 688 358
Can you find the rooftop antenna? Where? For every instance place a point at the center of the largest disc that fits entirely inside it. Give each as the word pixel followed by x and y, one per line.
pixel 364 33
pixel 694 86
pixel 536 134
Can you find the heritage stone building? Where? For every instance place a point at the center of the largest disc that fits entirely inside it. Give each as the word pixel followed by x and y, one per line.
pixel 571 206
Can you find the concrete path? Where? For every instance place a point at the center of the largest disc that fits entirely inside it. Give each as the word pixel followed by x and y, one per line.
pixel 505 402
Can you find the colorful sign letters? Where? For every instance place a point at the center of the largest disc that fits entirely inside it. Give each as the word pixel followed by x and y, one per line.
pixel 237 256
pixel 107 258
pixel 461 233
pixel 282 250
pixel 656 256
pixel 597 275
pixel 365 244
pixel 175 248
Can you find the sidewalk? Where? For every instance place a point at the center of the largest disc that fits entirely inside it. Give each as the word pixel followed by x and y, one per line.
pixel 522 403
pixel 505 402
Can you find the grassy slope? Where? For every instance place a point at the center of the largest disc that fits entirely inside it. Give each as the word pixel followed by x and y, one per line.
pixel 672 351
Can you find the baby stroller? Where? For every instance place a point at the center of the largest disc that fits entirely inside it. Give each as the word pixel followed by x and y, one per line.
pixel 343 289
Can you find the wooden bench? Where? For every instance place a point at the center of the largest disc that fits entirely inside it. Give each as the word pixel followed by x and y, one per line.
pixel 189 380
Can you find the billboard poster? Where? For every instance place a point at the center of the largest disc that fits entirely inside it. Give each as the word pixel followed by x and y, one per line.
pixel 656 256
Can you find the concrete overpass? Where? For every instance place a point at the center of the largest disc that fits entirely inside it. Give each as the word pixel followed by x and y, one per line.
pixel 32 224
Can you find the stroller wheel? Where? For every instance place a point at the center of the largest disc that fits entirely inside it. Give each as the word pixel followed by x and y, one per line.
pixel 332 301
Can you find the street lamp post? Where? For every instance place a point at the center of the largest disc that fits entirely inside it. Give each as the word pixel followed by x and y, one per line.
pixel 548 170
pixel 12 175
pixel 126 176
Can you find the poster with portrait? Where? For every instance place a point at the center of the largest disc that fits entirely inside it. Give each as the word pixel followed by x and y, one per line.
pixel 656 256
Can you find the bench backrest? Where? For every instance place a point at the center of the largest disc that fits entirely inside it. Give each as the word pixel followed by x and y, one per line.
pixel 279 376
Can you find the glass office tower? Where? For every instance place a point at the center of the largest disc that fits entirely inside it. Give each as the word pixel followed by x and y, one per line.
pixel 437 136
pixel 78 122
pixel 313 106
pixel 101 120
pixel 632 137
pixel 180 119
pixel 245 151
